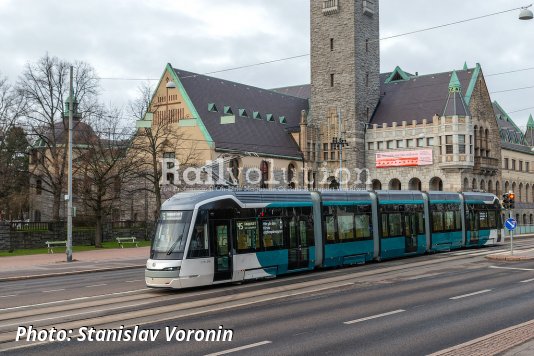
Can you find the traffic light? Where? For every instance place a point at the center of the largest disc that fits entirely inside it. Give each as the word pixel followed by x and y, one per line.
pixel 511 201
pixel 506 201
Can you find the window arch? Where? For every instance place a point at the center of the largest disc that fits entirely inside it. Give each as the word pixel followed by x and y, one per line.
pixel 490 187
pixel 486 136
pixel 506 187
pixel 465 186
pixel 514 187
pixel 482 184
pixel 520 193
pixel 436 184
pixel 414 184
pixel 377 185
pixel 395 184
pixel 498 188
pixel 527 193
pixel 474 184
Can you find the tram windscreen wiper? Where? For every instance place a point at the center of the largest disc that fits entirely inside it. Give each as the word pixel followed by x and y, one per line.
pixel 179 239
pixel 174 244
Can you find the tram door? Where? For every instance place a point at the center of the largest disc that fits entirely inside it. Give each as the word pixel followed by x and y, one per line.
pixel 221 230
pixel 299 250
pixel 474 227
pixel 410 232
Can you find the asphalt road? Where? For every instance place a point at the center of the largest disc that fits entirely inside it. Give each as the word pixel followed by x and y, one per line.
pixel 412 306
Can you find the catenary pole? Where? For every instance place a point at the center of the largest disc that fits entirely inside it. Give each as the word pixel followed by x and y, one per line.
pixel 69 203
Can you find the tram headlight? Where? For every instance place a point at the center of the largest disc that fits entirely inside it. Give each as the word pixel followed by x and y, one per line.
pixel 171 268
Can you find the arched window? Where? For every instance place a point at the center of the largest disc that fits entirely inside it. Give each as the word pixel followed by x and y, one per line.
pixel 474 184
pixel 482 184
pixel 527 193
pixel 264 169
pixel 465 186
pixel 506 187
pixel 233 165
pixel 395 184
pixel 520 193
pixel 531 219
pixel 514 187
pixel 486 136
pixel 291 176
pixel 436 184
pixel 414 184
pixel 377 185
pixel 525 219
pixel 498 189
pixel 490 187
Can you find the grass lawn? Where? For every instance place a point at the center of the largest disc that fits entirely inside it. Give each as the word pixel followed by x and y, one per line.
pixel 60 249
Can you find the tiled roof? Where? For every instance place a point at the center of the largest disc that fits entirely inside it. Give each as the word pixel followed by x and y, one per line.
pixel 418 98
pixel 265 134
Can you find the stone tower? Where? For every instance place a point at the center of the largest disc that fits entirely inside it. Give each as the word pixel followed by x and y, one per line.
pixel 345 72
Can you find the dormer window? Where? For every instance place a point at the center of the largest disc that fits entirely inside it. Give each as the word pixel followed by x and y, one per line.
pixel 228 110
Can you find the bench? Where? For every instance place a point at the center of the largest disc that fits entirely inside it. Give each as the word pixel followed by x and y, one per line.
pixel 127 240
pixel 51 244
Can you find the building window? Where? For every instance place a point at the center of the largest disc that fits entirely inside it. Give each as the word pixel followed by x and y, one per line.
pixel 448 144
pixel 410 143
pixel 331 44
pixel 513 165
pixel 420 142
pixel 390 145
pixel 264 169
pixel 400 143
pixel 370 146
pixel 380 145
pixel 461 144
pixel 520 166
pixel 527 167
pixel 39 187
pixel 506 163
pixel 331 79
pixel 430 141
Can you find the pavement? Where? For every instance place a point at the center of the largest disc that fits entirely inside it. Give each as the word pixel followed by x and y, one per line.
pixel 55 264
pixel 518 256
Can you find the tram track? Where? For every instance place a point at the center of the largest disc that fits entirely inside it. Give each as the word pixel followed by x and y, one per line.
pixel 146 306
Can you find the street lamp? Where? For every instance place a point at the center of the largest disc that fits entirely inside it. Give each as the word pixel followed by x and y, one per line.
pixel 525 13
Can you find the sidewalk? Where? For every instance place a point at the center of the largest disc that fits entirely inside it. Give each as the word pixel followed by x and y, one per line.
pixel 46 265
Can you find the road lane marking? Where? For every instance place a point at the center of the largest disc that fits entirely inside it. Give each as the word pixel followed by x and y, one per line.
pixel 7 296
pixel 528 280
pixel 96 285
pixel 52 290
pixel 136 280
pixel 72 300
pixel 513 268
pixel 374 317
pixel 470 294
pixel 240 348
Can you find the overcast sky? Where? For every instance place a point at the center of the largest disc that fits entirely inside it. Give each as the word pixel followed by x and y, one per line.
pixel 136 38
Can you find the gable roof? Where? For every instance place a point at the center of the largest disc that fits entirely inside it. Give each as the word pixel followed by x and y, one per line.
pixel 512 137
pixel 246 134
pixel 418 97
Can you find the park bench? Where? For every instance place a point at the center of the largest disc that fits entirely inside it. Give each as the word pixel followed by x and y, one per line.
pixel 51 244
pixel 127 240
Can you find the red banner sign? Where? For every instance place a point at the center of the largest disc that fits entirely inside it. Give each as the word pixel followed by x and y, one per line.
pixel 404 158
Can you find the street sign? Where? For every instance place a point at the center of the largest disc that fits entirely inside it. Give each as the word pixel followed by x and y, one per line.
pixel 510 224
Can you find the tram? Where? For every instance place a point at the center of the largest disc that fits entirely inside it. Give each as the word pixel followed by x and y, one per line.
pixel 213 237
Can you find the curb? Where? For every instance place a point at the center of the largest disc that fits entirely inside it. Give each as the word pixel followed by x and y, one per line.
pixel 510 258
pixel 59 274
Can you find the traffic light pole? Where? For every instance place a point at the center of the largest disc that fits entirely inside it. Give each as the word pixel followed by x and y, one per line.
pixel 511 236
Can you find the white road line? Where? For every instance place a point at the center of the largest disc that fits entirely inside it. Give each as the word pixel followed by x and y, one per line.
pixel 52 290
pixel 240 348
pixel 513 268
pixel 528 280
pixel 7 296
pixel 136 280
pixel 71 300
pixel 470 294
pixel 96 285
pixel 374 317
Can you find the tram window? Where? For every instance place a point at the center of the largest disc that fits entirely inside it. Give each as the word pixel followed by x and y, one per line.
pixel 437 221
pixel 483 218
pixel 395 225
pixel 293 241
pixel 273 234
pixel 449 221
pixel 420 223
pixel 248 237
pixel 363 227
pixel 330 229
pixel 345 225
pixel 385 225
pixel 199 246
pixel 458 220
pixel 492 219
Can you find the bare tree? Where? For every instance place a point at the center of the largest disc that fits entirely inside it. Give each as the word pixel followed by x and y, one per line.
pixel 13 158
pixel 154 142
pixel 44 86
pixel 106 165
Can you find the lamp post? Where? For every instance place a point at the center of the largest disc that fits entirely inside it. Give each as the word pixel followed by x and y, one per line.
pixel 525 13
pixel 69 193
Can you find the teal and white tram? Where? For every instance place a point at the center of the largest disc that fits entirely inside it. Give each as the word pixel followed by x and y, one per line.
pixel 205 238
